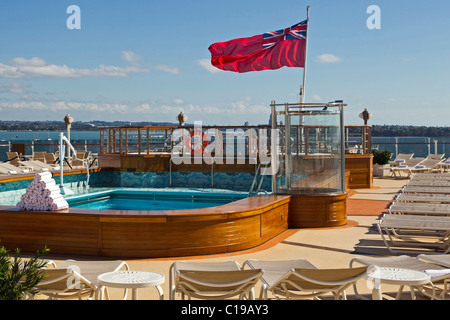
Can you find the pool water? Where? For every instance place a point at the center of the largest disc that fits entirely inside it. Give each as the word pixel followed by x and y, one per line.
pixel 151 200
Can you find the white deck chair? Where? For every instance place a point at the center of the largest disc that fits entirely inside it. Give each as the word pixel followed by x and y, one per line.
pixel 428 183
pixel 39 165
pixel 401 158
pixel 406 167
pixel 212 281
pixel 440 259
pixel 440 276
pixel 275 270
pixel 9 168
pixel 415 231
pixel 83 275
pixel 428 165
pixel 431 176
pixel 312 283
pixel 423 198
pixel 65 284
pixel 432 209
pixel 426 189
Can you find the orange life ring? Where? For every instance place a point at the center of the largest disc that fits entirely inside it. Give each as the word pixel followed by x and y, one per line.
pixel 196 145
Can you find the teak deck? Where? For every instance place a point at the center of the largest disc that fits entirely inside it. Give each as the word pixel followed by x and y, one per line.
pixel 236 226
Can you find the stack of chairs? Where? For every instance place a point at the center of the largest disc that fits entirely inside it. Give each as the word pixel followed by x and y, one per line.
pixel 419 216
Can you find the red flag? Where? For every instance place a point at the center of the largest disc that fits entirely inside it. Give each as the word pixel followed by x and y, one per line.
pixel 268 51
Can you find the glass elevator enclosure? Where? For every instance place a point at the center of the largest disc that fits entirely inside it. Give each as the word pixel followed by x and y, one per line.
pixel 310 148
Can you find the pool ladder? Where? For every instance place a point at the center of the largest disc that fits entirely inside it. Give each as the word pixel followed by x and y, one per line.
pixel 259 175
pixel 62 158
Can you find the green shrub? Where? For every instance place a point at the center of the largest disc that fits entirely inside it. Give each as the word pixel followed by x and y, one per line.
pixel 20 276
pixel 381 157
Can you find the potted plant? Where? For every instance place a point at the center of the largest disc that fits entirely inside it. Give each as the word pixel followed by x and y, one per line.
pixel 19 277
pixel 381 162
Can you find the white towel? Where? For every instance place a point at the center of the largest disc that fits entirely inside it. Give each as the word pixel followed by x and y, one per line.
pixel 42 194
pixel 43 176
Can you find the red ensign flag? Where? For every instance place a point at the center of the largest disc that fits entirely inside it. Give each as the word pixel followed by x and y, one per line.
pixel 268 51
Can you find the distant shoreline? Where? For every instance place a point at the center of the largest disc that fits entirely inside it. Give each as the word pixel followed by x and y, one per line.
pixel 52 126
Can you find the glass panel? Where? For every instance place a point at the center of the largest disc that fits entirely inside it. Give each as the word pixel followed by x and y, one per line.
pixel 310 150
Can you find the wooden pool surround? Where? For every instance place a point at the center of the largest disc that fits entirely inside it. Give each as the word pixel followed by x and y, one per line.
pixel 239 225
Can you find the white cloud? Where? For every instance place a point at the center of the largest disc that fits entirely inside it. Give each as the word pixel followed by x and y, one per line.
pixel 167 68
pixel 206 64
pixel 178 101
pixel 130 57
pixel 36 67
pixel 316 97
pixel 14 87
pixel 328 58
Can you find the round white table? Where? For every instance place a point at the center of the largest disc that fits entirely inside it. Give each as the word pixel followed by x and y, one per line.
pixel 133 280
pixel 397 276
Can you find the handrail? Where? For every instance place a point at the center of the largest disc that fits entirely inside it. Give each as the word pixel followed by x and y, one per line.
pixel 62 158
pixel 258 170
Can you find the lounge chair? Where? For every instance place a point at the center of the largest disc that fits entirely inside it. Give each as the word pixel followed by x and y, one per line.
pixel 50 158
pixel 39 156
pixel 215 280
pixel 275 270
pixel 426 189
pixel 431 163
pixel 406 167
pixel 312 283
pixel 9 168
pixel 65 284
pixel 439 259
pixel 401 158
pixel 78 279
pixel 415 231
pixel 82 155
pixel 14 157
pixel 39 165
pixel 432 209
pixel 423 198
pixel 440 276
pixel 431 176
pixel 428 183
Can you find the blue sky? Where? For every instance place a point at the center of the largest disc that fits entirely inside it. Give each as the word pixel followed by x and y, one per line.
pixel 147 60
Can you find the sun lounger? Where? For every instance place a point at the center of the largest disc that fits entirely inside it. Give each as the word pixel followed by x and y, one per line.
pixel 293 279
pixel 275 270
pixel 401 158
pixel 214 280
pixel 425 189
pixel 440 276
pixel 416 165
pixel 39 156
pixel 423 197
pixel 428 183
pixel 77 279
pixel 8 168
pixel 406 167
pixel 440 259
pixel 431 176
pixel 65 284
pixel 432 209
pixel 13 158
pixel 415 231
pixel 39 165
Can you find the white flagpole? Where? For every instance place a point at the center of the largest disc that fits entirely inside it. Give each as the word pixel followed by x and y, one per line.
pixel 302 88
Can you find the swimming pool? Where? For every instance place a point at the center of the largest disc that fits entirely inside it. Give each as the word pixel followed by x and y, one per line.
pixel 129 199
